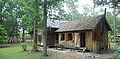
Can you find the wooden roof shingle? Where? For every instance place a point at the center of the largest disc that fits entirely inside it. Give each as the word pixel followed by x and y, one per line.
pixel 76 25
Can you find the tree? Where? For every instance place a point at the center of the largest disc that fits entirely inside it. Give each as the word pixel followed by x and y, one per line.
pixel 114 12
pixel 45 29
pixel 73 13
pixel 28 15
pixel 110 17
pixel 3 34
pixel 9 18
pixel 35 23
pixel 34 13
pixel 72 9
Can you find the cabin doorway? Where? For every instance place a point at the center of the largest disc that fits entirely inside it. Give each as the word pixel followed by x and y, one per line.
pixel 82 39
pixel 57 38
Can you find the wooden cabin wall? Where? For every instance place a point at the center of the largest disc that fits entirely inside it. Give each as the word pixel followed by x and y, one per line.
pixel 51 37
pixel 95 43
pixel 91 43
pixel 103 38
pixel 88 37
pixel 100 41
pixel 66 42
pixel 60 37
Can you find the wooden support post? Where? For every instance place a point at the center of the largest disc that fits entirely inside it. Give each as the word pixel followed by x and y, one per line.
pixel 72 36
pixel 78 39
pixel 66 36
pixel 60 37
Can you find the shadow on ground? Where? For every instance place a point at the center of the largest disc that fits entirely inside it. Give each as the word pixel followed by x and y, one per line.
pixel 107 51
pixel 6 45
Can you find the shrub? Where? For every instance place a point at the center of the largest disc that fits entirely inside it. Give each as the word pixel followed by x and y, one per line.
pixel 24 46
pixel 117 53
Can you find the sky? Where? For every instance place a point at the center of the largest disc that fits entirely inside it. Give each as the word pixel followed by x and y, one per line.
pixel 82 3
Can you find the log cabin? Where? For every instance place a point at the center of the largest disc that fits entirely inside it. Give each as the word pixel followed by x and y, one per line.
pixel 52 36
pixel 91 33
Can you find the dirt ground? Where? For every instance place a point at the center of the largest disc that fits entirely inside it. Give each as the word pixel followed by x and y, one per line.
pixel 67 54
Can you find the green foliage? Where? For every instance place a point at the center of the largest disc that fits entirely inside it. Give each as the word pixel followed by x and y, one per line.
pixel 107 2
pixel 118 56
pixel 24 46
pixel 110 3
pixel 26 35
pixel 109 17
pixel 3 34
pixel 72 8
pixel 8 13
pixel 117 46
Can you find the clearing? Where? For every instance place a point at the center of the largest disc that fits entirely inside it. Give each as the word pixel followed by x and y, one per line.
pixel 14 51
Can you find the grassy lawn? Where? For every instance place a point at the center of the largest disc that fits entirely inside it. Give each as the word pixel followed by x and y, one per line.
pixel 15 52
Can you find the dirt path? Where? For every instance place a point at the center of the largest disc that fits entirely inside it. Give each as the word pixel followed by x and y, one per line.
pixel 105 54
pixel 67 54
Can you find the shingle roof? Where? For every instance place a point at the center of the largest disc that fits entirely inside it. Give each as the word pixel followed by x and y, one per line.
pixel 75 25
pixel 55 23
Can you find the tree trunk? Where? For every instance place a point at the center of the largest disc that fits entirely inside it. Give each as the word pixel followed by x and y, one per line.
pixel 9 39
pixel 17 38
pixel 23 35
pixel 114 12
pixel 35 38
pixel 35 23
pixel 45 29
pixel 72 9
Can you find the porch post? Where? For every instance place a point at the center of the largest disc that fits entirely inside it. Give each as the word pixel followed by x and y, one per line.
pixel 60 37
pixel 66 36
pixel 75 39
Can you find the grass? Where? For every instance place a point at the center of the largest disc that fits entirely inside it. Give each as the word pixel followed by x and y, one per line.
pixel 16 52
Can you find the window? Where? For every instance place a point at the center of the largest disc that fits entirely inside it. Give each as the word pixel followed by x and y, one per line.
pixel 63 37
pixel 70 36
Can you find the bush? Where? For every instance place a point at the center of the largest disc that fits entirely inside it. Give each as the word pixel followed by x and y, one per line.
pixel 24 46
pixel 117 53
pixel 3 34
